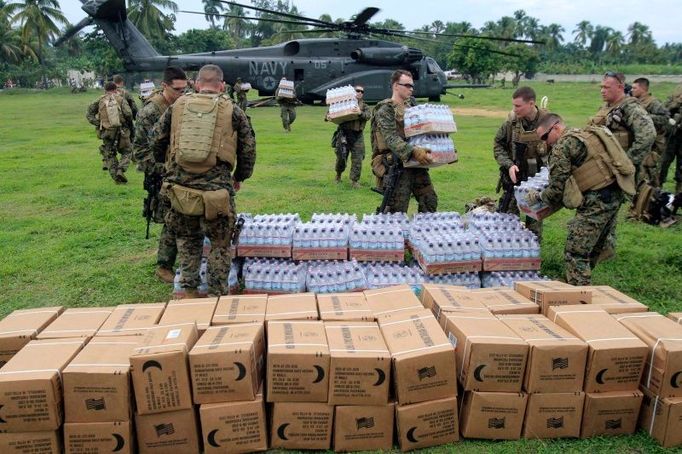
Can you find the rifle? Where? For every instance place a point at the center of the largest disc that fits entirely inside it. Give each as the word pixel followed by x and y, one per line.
pixel 390 181
pixel 505 181
pixel 341 144
pixel 237 230
pixel 152 184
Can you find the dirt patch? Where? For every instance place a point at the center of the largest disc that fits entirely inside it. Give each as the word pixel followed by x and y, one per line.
pixel 476 112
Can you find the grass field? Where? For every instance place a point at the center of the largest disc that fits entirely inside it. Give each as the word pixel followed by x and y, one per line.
pixel 70 236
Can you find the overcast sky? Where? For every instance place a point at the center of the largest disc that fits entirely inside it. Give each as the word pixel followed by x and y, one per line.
pixel 664 17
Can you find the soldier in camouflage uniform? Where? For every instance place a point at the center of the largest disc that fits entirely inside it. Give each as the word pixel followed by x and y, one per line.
pixel 121 87
pixel 115 139
pixel 287 109
pixel 173 85
pixel 518 150
pixel 204 125
pixel 594 224
pixel 241 94
pixel 349 138
pixel 389 143
pixel 673 151
pixel 660 116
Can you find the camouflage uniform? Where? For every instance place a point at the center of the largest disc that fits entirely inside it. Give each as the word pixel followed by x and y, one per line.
pixel 387 120
pixel 190 230
pixel 513 131
pixel 241 96
pixel 673 150
pixel 288 111
pixel 129 99
pixel 660 116
pixel 591 233
pixel 355 144
pixel 115 140
pixel 155 106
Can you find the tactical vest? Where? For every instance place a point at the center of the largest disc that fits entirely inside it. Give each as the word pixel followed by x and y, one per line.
pixel 612 118
pixel 109 111
pixel 202 133
pixel 535 148
pixel 379 146
pixel 159 101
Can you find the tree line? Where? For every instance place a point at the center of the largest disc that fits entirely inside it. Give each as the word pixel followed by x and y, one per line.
pixel 28 27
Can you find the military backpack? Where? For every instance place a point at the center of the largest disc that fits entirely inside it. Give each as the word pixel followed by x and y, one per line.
pixel 109 111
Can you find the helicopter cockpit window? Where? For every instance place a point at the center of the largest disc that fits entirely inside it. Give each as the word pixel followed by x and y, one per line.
pixel 431 66
pixel 292 48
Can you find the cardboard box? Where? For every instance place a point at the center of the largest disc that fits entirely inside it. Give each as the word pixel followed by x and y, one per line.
pixel 449 298
pixel 661 418
pixel 199 310
pixel 360 364
pixel 610 413
pixel 554 415
pixel 556 359
pixel 173 432
pixel 296 306
pixel 664 360
pixel 675 317
pixel 298 362
pixel 363 427
pixel 423 358
pixel 490 356
pixel 301 425
pixel 21 326
pixel 226 363
pixel 492 416
pixel 132 319
pixel 391 301
pixel 616 357
pixel 613 301
pixel 31 386
pixel 236 427
pixel 552 293
pixel 240 309
pixel 503 300
pixel 97 381
pixel 344 306
pixel 426 424
pixel 49 442
pixel 99 437
pixel 76 322
pixel 160 370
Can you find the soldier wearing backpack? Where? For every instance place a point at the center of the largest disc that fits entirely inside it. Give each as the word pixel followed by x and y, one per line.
pixel 112 117
pixel 209 149
pixel 588 171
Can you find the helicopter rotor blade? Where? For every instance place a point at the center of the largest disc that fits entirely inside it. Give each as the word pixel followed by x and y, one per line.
pixel 71 31
pixel 365 15
pixel 466 35
pixel 278 13
pixel 264 19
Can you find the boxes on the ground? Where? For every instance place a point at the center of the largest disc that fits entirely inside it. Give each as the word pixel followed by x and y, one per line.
pixel 492 416
pixel 552 293
pixel 301 425
pixel 427 424
pixel 449 298
pixel 296 306
pixel 226 363
pixel 363 427
pixel 556 359
pixel 132 319
pixel 99 437
pixel 49 442
pixel 613 301
pixel 170 432
pixel 199 310
pixel 76 322
pixel 616 357
pixel 97 381
pixel 240 309
pixel 664 362
pixel 389 302
pixel 21 326
pixel 297 361
pixel 159 369
pixel 503 300
pixel 554 415
pixel 236 427
pixel 344 306
pixel 423 358
pixel 661 418
pixel 675 317
pixel 31 387
pixel 490 356
pixel 610 413
pixel 360 364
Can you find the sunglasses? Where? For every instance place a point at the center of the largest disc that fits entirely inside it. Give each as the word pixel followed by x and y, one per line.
pixel 359 91
pixel 409 86
pixel 177 89
pixel 545 136
pixel 619 76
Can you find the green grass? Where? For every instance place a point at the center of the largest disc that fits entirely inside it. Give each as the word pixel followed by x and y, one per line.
pixel 69 236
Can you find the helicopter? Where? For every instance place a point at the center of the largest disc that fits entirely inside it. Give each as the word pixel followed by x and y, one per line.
pixel 315 64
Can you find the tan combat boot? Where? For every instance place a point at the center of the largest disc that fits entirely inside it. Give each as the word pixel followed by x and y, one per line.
pixel 165 275
pixel 355 185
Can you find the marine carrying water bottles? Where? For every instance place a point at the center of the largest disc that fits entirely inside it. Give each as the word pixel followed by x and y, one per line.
pixel 343 104
pixel 428 126
pixel 538 182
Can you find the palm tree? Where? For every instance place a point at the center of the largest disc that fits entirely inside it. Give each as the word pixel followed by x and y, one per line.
pixel 639 33
pixel 38 20
pixel 554 37
pixel 212 9
pixel 583 33
pixel 599 37
pixel 614 43
pixel 437 26
pixel 149 19
pixel 236 26
pixel 10 44
pixel 531 28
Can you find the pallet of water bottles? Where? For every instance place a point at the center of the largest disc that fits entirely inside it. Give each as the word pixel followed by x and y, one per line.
pixel 445 267
pixel 429 119
pixel 377 240
pixel 325 237
pixel 267 235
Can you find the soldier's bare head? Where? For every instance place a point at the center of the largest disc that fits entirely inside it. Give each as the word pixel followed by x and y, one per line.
pixel 110 86
pixel 640 87
pixel 523 100
pixel 118 80
pixel 402 85
pixel 613 87
pixel 174 83
pixel 550 128
pixel 210 79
